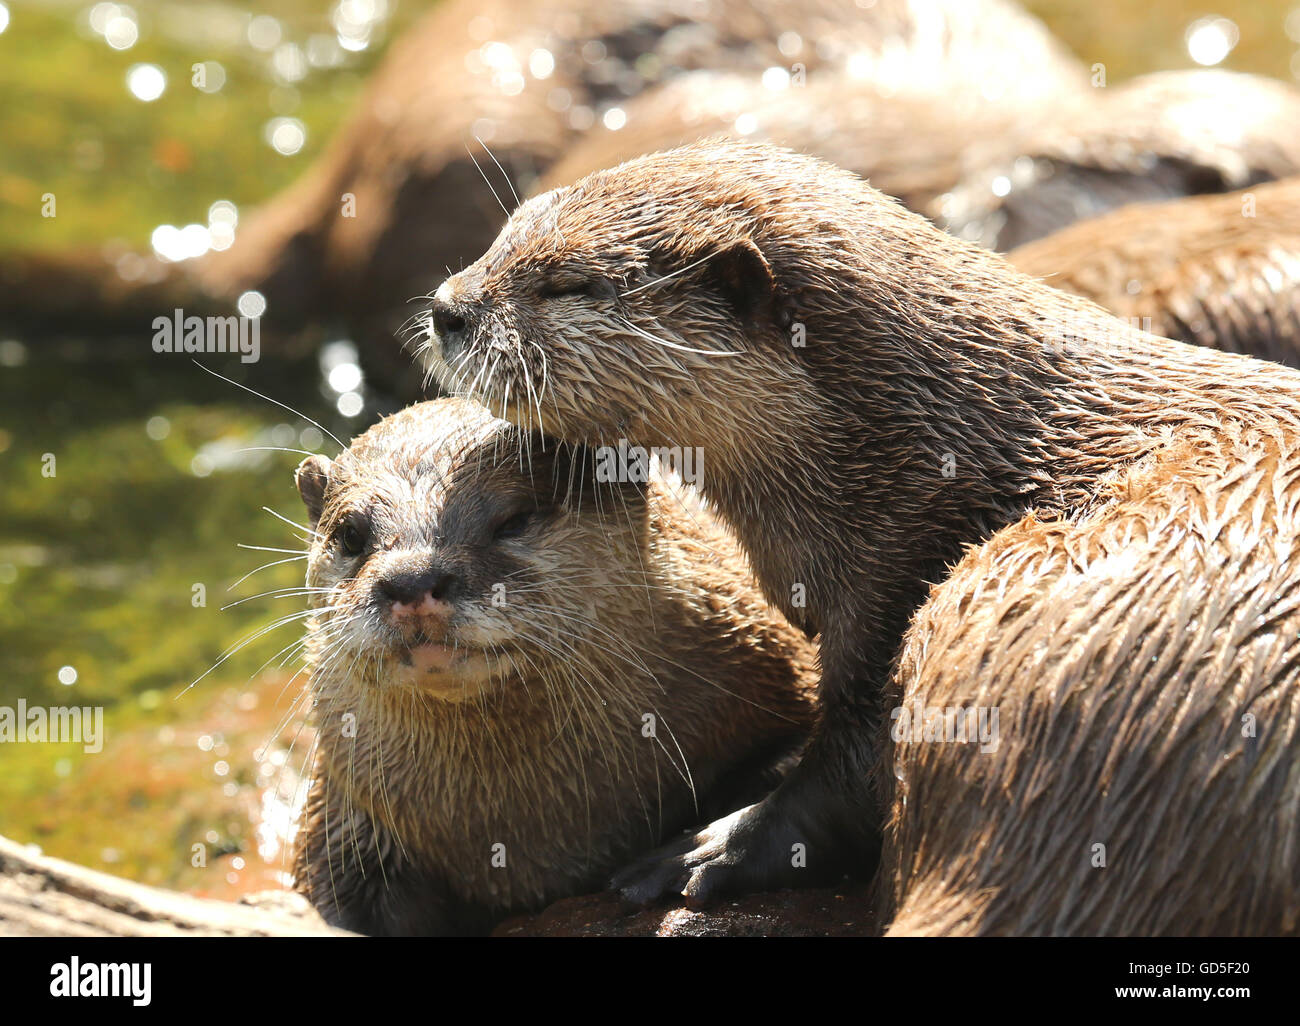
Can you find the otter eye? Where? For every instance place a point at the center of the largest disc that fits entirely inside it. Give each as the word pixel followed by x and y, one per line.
pixel 353 538
pixel 514 526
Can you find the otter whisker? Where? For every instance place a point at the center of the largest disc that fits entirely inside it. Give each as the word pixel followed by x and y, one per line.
pixel 499 168
pixel 684 770
pixel 289 715
pixel 484 368
pixel 592 626
pixel 376 751
pixel 283 406
pixel 265 566
pixel 275 448
pixel 300 527
pixel 484 176
pixel 277 593
pixel 667 277
pixel 240 645
pixel 299 800
pixel 675 345
pixel 419 322
pixel 572 651
pixel 327 636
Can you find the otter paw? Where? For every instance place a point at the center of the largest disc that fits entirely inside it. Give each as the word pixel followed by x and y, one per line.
pixel 730 856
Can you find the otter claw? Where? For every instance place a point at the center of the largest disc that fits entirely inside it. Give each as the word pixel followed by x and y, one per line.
pixel 651 877
pixel 700 867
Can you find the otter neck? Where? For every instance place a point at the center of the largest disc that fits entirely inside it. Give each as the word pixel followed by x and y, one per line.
pixel 931 441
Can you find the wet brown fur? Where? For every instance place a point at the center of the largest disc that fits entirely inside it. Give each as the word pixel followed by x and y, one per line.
pixel 629 600
pixel 1142 652
pixel 939 398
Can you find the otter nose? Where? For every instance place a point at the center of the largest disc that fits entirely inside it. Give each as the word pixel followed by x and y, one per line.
pixel 423 593
pixel 450 324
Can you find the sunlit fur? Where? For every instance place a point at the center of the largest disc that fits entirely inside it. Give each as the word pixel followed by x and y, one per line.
pixel 1143 654
pixel 621 601
pixel 940 397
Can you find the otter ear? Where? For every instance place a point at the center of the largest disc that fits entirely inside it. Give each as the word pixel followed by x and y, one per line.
pixel 312 477
pixel 743 275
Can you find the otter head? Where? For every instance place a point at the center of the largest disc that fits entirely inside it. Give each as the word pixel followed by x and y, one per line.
pixel 452 554
pixel 642 301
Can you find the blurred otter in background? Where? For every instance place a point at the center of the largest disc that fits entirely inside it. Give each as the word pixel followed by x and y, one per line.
pixel 1160 136
pixel 525 81
pixel 1217 271
pixel 908 142
pixel 523 675
pixel 969 112
pixel 999 174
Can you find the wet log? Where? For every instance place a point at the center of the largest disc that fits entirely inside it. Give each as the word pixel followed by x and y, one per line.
pixel 46 897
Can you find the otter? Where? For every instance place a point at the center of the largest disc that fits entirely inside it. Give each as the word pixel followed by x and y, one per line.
pixel 486 89
pixel 874 398
pixel 523 673
pixel 1160 136
pixel 909 141
pixel 1139 654
pixel 996 169
pixel 1217 271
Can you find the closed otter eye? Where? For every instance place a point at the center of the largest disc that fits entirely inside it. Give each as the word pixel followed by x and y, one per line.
pixel 514 526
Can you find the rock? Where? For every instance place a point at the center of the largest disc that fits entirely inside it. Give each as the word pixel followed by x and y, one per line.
pixel 827 912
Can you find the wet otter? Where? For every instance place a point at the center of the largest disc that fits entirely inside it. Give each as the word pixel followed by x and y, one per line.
pixel 874 397
pixel 1160 136
pixel 1218 271
pixel 1140 654
pixel 522 674
pixel 528 82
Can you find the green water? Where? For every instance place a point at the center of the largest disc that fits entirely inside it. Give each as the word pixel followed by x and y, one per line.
pixel 125 498
pixel 146 495
pixel 123 494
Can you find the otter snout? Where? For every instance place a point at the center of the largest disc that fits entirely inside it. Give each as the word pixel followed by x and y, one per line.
pixel 450 320
pixel 420 604
pixel 418 595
